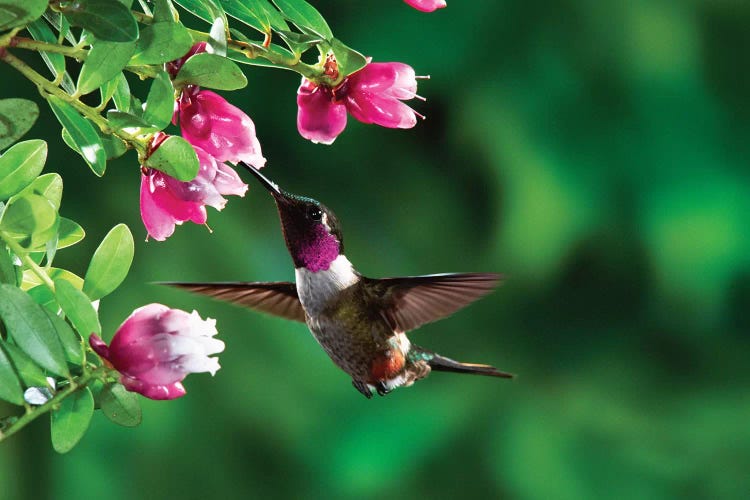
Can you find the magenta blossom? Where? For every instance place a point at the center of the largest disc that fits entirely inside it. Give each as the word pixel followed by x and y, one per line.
pixel 426 5
pixel 165 201
pixel 157 347
pixel 208 121
pixel 371 95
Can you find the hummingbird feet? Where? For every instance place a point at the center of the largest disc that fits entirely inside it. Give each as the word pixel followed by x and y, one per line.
pixel 382 389
pixel 363 388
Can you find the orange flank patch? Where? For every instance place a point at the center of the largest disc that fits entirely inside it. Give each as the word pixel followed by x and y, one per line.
pixel 388 365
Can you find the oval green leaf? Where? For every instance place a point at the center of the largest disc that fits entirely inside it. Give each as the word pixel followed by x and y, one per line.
pixel 208 10
pixel 16 118
pixel 10 386
pixel 30 373
pixel 212 71
pixel 160 102
pixel 87 141
pixel 7 269
pixel 176 158
pixel 19 13
pixel 104 62
pixel 162 42
pixel 77 307
pixel 41 31
pixel 71 420
pixel 305 17
pixel 119 405
pixel 110 263
pixel 20 165
pixel 69 233
pixel 348 59
pixel 31 330
pixel 105 19
pixel 49 186
pixel 30 220
pixel 31 280
pixel 70 341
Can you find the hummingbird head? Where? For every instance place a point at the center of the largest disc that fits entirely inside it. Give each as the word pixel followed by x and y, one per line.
pixel 311 230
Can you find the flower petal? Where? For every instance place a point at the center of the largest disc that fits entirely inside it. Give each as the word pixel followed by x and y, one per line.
pixel 384 111
pixel 426 5
pixel 319 119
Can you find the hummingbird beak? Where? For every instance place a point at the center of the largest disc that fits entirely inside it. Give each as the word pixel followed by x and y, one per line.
pixel 272 187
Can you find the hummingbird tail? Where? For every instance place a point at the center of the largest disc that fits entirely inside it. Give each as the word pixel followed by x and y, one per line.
pixel 443 364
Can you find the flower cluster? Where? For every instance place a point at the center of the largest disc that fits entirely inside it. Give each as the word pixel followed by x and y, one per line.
pixel 371 95
pixel 157 347
pixel 219 132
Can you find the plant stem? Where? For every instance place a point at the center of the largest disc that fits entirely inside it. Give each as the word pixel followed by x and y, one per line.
pixel 47 87
pixel 31 415
pixel 24 255
pixel 30 44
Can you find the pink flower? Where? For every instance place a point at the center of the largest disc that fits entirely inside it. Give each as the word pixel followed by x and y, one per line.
pixel 371 95
pixel 165 201
pixel 222 130
pixel 157 347
pixel 426 5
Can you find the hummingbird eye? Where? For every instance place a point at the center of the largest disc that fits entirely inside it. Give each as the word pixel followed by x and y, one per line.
pixel 314 213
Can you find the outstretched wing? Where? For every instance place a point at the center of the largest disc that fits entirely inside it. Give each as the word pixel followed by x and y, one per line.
pixel 278 298
pixel 410 302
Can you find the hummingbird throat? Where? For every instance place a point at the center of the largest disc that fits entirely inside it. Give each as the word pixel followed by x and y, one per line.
pixel 316 250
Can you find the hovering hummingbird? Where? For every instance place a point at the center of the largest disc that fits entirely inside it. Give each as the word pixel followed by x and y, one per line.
pixel 360 322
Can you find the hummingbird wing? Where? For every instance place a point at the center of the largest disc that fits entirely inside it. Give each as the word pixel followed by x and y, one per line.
pixel 276 297
pixel 412 301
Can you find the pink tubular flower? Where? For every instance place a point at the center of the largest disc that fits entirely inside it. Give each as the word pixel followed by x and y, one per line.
pixel 426 5
pixel 157 347
pixel 371 95
pixel 208 121
pixel 165 201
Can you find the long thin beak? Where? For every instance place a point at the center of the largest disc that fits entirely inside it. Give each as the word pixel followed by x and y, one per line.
pixel 272 187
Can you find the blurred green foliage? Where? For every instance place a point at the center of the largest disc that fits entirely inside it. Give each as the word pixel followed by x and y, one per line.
pixel 595 152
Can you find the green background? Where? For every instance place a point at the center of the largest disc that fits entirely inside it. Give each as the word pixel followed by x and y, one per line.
pixel 594 152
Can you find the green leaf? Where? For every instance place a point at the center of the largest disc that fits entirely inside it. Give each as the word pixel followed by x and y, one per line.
pixel 77 307
pixel 163 11
pixel 348 59
pixel 30 373
pixel 208 10
pixel 16 118
pixel 7 269
pixel 83 134
pixel 110 264
pixel 104 62
pixel 122 94
pixel 69 233
pixel 258 14
pixel 108 89
pixel 44 297
pixel 70 341
pixel 31 330
pixel 299 42
pixel 41 31
pixel 20 165
pixel 122 120
pixel 71 420
pixel 10 386
pixel 105 19
pixel 119 405
pixel 162 42
pixel 30 220
pixel 212 71
pixel 49 186
pixel 30 279
pixel 305 17
pixel 176 158
pixel 19 13
pixel 160 101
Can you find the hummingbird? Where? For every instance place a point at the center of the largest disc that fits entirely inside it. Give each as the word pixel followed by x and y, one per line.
pixel 360 322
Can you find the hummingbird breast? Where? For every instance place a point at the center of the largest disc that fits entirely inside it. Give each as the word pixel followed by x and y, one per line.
pixel 349 329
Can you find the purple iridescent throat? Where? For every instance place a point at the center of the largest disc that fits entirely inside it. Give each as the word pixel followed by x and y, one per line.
pixel 317 250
